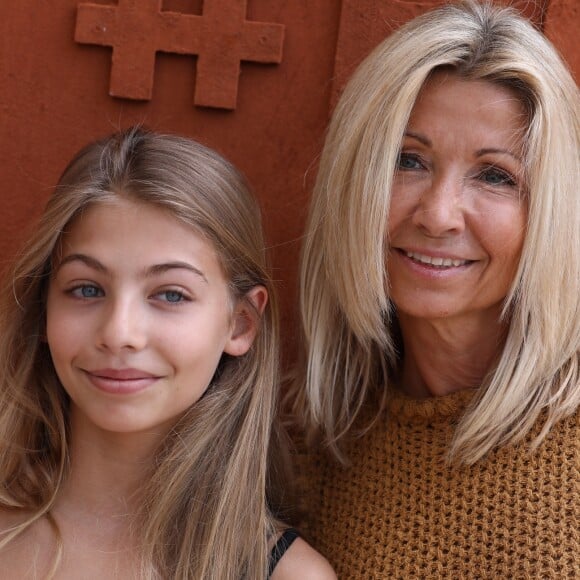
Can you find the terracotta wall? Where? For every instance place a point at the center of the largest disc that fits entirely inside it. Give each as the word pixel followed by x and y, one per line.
pixel 59 90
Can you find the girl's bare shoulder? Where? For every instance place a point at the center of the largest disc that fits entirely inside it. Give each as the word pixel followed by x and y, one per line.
pixel 28 554
pixel 11 519
pixel 302 561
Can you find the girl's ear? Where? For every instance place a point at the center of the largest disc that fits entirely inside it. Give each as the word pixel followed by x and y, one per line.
pixel 246 321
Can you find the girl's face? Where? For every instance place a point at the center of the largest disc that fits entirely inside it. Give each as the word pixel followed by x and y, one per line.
pixel 458 210
pixel 138 316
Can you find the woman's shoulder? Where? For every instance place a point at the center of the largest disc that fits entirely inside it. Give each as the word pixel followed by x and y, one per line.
pixel 302 561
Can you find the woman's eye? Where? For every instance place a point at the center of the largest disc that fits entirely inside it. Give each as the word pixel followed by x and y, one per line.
pixel 407 162
pixel 495 176
pixel 87 291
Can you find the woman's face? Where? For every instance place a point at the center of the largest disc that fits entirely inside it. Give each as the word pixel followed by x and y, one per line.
pixel 458 209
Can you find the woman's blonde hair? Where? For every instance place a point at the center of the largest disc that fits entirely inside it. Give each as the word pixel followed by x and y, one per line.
pixel 349 323
pixel 204 509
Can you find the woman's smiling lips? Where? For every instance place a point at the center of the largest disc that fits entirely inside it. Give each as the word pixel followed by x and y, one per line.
pixel 433 262
pixel 121 381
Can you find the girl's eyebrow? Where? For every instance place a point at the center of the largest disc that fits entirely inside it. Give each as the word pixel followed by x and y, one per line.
pixel 87 260
pixel 177 265
pixel 154 270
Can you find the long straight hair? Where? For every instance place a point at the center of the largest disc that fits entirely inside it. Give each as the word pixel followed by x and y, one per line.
pixel 207 484
pixel 349 322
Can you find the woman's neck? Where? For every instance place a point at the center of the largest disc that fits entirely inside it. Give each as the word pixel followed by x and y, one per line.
pixel 448 355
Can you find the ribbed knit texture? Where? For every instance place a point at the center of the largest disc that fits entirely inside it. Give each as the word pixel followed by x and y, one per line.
pixel 400 511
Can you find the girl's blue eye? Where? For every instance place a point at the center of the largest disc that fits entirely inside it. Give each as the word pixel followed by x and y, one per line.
pixel 172 296
pixel 87 291
pixel 495 176
pixel 408 162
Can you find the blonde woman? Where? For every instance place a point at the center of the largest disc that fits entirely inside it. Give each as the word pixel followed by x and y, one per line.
pixel 442 326
pixel 138 349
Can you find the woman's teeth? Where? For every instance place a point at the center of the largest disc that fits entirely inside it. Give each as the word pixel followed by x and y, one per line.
pixel 433 261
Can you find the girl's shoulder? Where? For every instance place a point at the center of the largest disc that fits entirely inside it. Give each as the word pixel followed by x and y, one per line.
pixel 31 551
pixel 11 519
pixel 300 560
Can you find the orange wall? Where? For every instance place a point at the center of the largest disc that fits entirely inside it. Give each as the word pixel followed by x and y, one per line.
pixel 54 97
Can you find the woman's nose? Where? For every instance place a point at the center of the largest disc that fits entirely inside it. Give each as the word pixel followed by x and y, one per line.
pixel 440 211
pixel 122 327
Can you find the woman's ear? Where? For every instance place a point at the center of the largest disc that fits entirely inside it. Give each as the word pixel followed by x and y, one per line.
pixel 246 321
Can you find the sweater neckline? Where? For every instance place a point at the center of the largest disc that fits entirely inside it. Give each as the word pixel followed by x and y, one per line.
pixel 445 407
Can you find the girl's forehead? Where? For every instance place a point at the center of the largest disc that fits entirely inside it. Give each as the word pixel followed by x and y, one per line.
pixel 125 233
pixel 131 216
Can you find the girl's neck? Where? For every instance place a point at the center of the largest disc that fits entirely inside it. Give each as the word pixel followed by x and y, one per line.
pixel 96 507
pixel 107 470
pixel 448 355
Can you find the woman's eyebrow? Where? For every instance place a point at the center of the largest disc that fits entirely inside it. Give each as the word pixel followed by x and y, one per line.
pixel 500 151
pixel 418 137
pixel 484 151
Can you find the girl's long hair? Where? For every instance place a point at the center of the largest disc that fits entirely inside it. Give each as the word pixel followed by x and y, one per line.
pixel 204 509
pixel 350 336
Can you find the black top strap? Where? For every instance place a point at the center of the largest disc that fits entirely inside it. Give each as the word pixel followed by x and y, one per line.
pixel 284 542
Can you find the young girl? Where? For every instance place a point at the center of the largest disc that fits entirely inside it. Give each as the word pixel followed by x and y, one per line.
pixel 138 348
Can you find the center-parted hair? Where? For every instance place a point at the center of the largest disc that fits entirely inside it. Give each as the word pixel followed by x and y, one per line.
pixel 204 511
pixel 350 336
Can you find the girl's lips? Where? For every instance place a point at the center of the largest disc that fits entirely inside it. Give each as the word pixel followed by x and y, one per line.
pixel 121 374
pixel 121 381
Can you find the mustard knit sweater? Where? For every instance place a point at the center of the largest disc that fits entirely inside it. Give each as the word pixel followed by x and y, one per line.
pixel 399 511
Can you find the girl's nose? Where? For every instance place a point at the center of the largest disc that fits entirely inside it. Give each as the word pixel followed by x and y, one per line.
pixel 122 327
pixel 440 211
